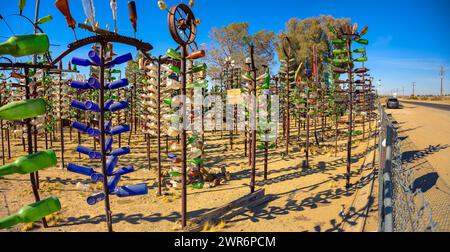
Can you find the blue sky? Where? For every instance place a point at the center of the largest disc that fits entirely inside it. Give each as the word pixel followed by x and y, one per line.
pixel 410 39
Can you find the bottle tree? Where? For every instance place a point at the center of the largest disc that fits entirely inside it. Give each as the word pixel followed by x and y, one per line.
pixel 196 83
pixel 106 131
pixel 344 61
pixel 309 110
pixel 266 136
pixel 336 104
pixel 155 116
pixel 287 72
pixel 33 162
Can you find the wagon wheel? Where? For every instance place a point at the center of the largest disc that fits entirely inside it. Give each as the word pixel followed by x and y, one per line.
pixel 193 46
pixel 287 46
pixel 5 72
pixel 182 24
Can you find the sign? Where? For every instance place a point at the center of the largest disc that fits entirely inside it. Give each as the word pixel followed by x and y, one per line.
pixel 234 96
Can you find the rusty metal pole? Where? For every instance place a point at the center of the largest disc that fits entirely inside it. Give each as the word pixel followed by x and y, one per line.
pixel 61 121
pixel 184 54
pixel 2 136
pixel 350 116
pixel 158 128
pixel 33 177
pixel 102 136
pixel 253 116
pixel 278 119
pixel 308 117
pixel 288 104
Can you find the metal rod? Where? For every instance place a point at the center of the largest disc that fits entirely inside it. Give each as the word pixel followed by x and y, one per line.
pixel 253 116
pixel 33 177
pixel 158 128
pixel 288 104
pixel 184 53
pixel 61 122
pixel 102 136
pixel 350 116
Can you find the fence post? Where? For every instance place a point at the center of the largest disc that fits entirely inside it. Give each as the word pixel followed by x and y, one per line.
pixel 380 167
pixel 387 194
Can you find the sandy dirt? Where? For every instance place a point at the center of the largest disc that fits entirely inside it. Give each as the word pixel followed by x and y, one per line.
pixel 312 199
pixel 419 128
pixel 427 126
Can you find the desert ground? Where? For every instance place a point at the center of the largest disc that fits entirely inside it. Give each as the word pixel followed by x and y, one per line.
pixel 299 199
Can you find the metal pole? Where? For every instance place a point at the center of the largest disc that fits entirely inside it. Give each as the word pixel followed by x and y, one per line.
pixel 61 121
pixel 387 183
pixel 184 53
pixel 158 128
pixel 33 177
pixel 102 136
pixel 253 116
pixel 288 104
pixel 350 116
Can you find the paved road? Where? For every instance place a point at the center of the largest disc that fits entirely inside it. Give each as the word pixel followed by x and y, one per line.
pixel 445 107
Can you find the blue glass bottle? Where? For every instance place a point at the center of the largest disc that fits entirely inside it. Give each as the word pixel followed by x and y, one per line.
pixel 93 55
pixel 78 105
pixel 80 85
pixel 83 170
pixel 121 151
pixel 131 190
pixel 95 198
pixel 118 84
pixel 120 129
pixel 118 106
pixel 93 83
pixel 82 62
pixel 124 170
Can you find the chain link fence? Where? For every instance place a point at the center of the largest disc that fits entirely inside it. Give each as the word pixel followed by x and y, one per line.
pixel 400 208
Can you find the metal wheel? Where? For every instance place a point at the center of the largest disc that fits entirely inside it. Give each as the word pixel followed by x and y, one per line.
pixel 182 24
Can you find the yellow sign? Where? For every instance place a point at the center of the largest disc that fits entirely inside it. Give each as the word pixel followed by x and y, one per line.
pixel 234 96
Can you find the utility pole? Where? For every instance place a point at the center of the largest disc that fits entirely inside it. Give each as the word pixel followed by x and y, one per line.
pixel 414 86
pixel 442 80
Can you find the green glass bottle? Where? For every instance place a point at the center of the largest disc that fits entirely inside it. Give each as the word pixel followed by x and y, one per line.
pixel 30 163
pixel 361 59
pixel 20 110
pixel 247 77
pixel 198 84
pixel 340 61
pixel 197 186
pixel 199 68
pixel 46 19
pixel 192 139
pixel 362 41
pixel 339 42
pixel 173 54
pixel 23 45
pixel 174 69
pixel 196 161
pixel 340 51
pixel 175 174
pixel 32 213
pixel 360 50
pixel 21 5
pixel 168 101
